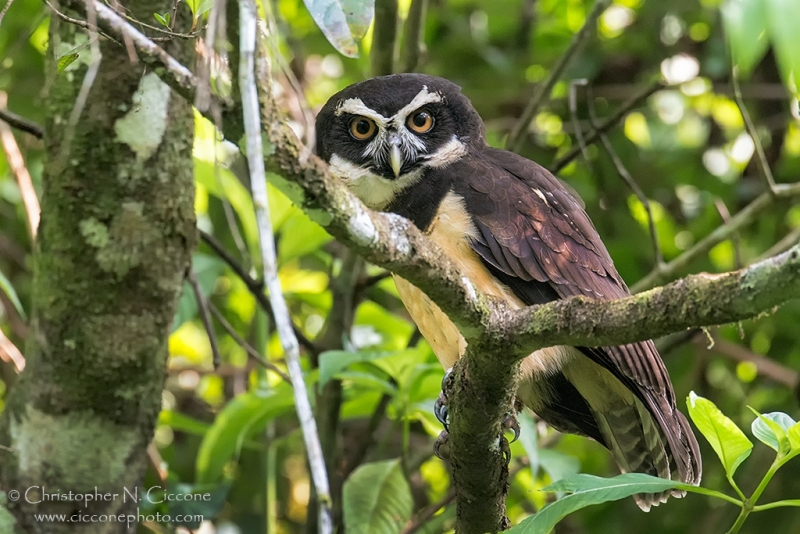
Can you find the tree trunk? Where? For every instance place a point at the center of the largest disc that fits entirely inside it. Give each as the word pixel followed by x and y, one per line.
pixel 115 240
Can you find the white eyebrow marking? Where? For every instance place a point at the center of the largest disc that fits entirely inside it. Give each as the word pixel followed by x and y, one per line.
pixel 422 98
pixel 356 106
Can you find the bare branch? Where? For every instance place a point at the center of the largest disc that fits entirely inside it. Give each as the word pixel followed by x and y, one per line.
pixel 21 174
pixel 626 176
pixel 697 300
pixel 256 287
pixel 248 348
pixel 283 322
pixel 205 317
pixel 21 123
pixel 543 90
pixel 761 158
pixel 744 217
pixel 607 124
pixel 765 367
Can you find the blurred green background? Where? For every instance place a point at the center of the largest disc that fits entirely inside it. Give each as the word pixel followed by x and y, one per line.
pixel 232 431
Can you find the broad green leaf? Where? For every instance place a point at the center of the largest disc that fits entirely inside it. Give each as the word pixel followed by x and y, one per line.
pixel 770 429
pixel 8 289
pixel 198 7
pixel 163 19
pixel 529 439
pixel 332 362
pixel 794 437
pixel 558 465
pixel 586 490
pixel 377 499
pixel 727 439
pixel 783 17
pixel 746 28
pixel 368 380
pixel 241 418
pixel 299 236
pixel 342 21
pixel 182 423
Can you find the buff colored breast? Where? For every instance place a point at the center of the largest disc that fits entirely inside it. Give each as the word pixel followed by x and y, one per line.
pixel 451 231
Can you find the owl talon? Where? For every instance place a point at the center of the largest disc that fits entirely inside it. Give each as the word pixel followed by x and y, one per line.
pixel 510 423
pixel 505 449
pixel 443 439
pixel 440 410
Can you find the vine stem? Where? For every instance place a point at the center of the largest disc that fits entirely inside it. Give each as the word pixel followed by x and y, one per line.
pixel 749 505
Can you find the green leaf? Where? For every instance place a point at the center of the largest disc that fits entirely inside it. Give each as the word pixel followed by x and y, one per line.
pixel 727 439
pixel 243 417
pixel 794 437
pixel 746 28
pixel 8 289
pixel 377 499
pixel 529 439
pixel 198 7
pixel 558 465
pixel 770 429
pixel 332 362
pixel 586 490
pixel 342 21
pixel 207 269
pixel 66 60
pixel 782 19
pixel 182 423
pixel 163 19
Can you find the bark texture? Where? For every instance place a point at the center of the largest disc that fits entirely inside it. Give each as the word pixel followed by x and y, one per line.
pixel 115 240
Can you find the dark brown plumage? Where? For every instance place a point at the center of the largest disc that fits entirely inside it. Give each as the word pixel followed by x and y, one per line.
pixel 518 234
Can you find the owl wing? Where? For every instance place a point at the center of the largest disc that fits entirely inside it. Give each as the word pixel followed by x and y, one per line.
pixel 536 238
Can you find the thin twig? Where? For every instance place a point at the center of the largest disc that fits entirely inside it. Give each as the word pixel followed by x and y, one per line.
pixel 248 348
pixel 255 287
pixel 725 213
pixel 5 9
pixel 427 513
pixel 21 174
pixel 573 113
pixel 626 176
pixel 86 85
pixel 77 22
pixel 745 216
pixel 205 316
pixel 765 366
pixel 21 123
pixel 543 90
pixel 608 124
pixel 10 353
pixel 761 158
pixel 786 242
pixel 283 323
pixel 179 77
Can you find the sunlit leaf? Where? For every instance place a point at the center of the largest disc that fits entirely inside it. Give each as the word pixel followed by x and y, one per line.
pixel 377 499
pixel 771 428
pixel 242 417
pixel 586 490
pixel 8 289
pixel 782 18
pixel 746 28
pixel 335 361
pixel 198 7
pixel 163 19
pixel 342 21
pixel 794 437
pixel 727 439
pixel 66 60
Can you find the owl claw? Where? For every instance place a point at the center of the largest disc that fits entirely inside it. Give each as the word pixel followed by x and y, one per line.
pixel 510 423
pixel 443 439
pixel 505 449
pixel 440 410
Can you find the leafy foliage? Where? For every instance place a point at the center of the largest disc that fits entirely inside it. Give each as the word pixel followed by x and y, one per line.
pixel 232 431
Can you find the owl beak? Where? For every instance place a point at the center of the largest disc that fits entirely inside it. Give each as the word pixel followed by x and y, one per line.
pixel 396 157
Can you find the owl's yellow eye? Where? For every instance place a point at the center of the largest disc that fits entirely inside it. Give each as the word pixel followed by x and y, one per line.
pixel 362 128
pixel 420 121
